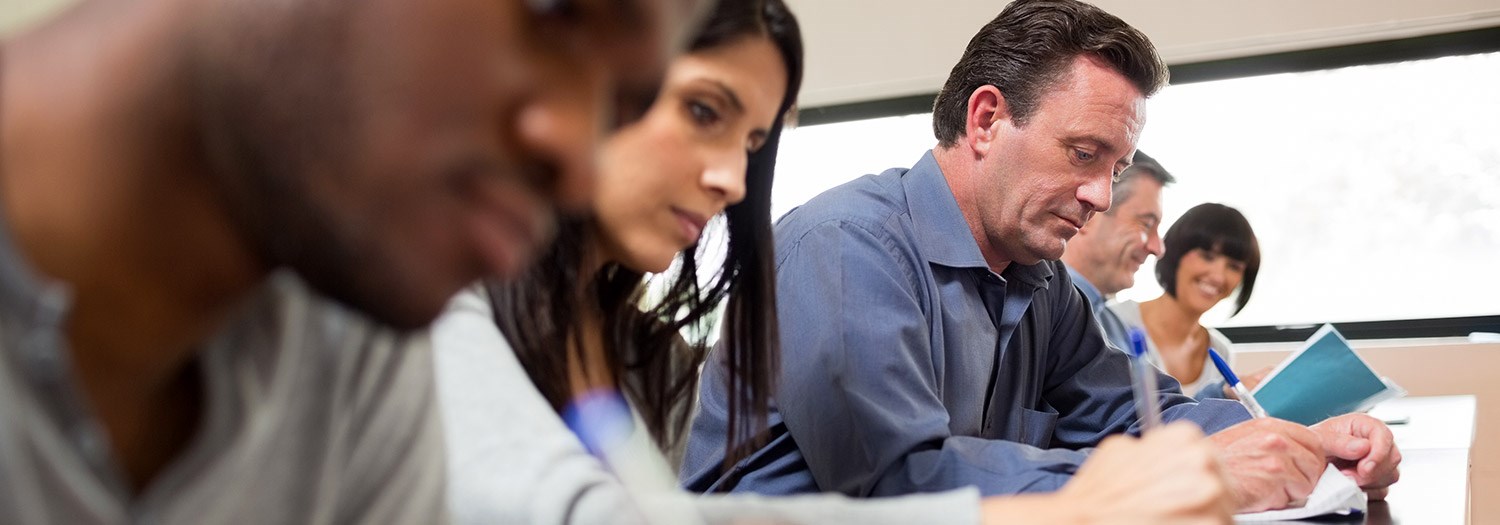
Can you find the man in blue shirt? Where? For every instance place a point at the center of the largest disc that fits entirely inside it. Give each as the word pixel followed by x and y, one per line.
pixel 931 339
pixel 1103 258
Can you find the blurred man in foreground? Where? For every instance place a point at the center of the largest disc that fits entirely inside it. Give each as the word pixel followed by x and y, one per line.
pixel 222 217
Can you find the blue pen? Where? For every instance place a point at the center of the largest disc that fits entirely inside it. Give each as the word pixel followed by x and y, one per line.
pixel 609 430
pixel 1146 407
pixel 1235 384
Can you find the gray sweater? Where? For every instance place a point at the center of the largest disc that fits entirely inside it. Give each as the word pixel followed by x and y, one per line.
pixel 511 459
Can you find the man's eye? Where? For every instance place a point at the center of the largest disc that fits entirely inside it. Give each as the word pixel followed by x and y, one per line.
pixel 1083 155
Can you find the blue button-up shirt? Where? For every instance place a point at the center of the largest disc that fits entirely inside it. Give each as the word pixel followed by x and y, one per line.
pixel 909 366
pixel 1114 328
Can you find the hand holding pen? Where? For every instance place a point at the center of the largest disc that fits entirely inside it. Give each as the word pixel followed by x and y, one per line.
pixel 1237 386
pixel 1273 463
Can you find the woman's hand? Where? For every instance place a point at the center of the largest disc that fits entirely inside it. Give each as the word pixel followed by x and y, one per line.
pixel 1171 476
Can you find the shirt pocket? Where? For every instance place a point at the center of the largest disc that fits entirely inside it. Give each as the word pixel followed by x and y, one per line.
pixel 1037 427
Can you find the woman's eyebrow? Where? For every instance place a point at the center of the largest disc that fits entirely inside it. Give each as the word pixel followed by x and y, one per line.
pixel 734 100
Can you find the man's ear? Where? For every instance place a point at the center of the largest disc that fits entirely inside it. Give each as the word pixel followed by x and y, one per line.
pixel 986 112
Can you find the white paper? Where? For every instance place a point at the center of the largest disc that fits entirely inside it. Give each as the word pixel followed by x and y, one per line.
pixel 1334 494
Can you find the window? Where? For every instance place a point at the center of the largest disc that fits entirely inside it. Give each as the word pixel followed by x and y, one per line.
pixel 1374 190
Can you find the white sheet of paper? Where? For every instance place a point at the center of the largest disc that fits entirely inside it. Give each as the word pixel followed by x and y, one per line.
pixel 1334 494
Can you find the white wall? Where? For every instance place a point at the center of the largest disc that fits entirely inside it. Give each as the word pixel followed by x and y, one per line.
pixel 872 49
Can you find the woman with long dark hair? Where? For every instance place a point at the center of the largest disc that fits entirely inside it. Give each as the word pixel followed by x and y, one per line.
pixel 606 310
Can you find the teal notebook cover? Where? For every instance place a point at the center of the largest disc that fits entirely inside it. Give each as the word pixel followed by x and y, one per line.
pixel 1325 378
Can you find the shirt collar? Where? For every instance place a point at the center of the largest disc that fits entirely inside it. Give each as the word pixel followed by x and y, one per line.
pixel 943 236
pixel 1036 275
pixel 1096 299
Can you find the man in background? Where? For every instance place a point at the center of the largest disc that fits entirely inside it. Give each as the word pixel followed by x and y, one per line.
pixel 220 220
pixel 1103 257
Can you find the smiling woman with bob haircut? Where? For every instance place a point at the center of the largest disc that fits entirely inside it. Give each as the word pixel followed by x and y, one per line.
pixel 1211 253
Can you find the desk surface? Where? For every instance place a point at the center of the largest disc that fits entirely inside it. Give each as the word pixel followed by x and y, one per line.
pixel 1442 422
pixel 1434 486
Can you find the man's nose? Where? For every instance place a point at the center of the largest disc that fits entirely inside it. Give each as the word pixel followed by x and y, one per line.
pixel 1154 244
pixel 564 132
pixel 1096 193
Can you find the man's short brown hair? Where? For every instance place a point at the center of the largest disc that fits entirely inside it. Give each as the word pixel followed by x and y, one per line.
pixel 1029 48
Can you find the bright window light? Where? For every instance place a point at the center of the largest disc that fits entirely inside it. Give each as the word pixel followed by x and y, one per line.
pixel 1374 190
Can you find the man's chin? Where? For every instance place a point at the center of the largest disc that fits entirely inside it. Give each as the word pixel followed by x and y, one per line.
pixel 397 310
pixel 1040 249
pixel 407 319
pixel 1119 285
pixel 1037 257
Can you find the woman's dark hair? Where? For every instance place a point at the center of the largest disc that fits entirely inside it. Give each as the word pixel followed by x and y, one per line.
pixel 646 354
pixel 1215 228
pixel 1029 48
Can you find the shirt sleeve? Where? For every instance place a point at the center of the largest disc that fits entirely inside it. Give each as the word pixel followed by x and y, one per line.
pixel 510 458
pixel 960 506
pixel 859 391
pixel 513 460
